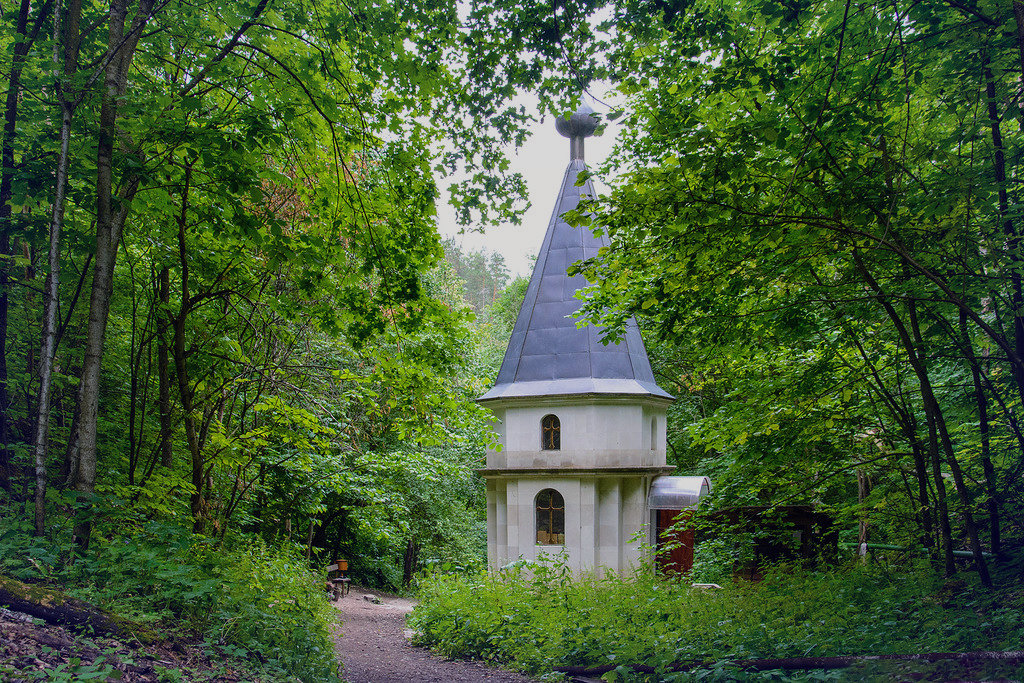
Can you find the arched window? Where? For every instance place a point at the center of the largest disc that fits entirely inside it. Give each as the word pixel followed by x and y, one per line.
pixel 550 433
pixel 550 518
pixel 654 433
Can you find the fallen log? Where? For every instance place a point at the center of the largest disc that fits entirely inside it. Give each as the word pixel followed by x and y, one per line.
pixel 797 663
pixel 60 609
pixel 794 663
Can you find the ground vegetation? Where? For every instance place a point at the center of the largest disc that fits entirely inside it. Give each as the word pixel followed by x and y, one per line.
pixel 543 620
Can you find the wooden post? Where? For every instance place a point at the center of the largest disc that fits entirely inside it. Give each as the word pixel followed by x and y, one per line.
pixel 863 488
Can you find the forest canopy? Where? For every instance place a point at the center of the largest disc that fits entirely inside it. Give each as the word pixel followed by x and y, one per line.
pixel 222 295
pixel 224 302
pixel 820 222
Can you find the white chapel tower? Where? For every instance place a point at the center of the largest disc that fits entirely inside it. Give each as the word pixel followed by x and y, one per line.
pixel 581 424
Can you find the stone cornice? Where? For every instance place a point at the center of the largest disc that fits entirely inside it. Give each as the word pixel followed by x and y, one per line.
pixel 494 473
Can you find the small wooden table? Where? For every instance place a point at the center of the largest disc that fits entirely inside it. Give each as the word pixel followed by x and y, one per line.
pixel 340 584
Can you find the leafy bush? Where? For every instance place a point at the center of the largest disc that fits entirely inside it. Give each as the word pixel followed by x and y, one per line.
pixel 715 558
pixel 23 555
pixel 535 618
pixel 242 593
pixel 249 600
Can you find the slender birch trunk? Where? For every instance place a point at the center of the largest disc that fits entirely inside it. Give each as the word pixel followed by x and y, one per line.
pixel 48 344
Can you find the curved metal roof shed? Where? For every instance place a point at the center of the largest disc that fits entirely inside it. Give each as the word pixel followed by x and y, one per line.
pixel 677 493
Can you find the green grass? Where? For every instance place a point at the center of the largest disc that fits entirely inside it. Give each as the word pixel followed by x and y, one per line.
pixel 551 619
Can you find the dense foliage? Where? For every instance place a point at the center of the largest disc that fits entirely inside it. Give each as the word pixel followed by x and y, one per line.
pixel 543 619
pixel 230 349
pixel 222 295
pixel 817 218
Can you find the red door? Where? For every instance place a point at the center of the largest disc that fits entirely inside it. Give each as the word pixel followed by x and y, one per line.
pixel 677 557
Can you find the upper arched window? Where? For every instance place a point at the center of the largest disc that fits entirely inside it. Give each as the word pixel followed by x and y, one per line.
pixel 550 518
pixel 550 433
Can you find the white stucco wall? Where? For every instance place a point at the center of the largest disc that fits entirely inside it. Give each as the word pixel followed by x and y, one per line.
pixel 603 516
pixel 606 517
pixel 594 433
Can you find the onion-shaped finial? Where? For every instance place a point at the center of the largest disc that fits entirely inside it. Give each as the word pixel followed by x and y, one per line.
pixel 581 124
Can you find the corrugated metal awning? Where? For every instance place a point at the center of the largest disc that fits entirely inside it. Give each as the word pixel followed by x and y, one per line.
pixel 677 493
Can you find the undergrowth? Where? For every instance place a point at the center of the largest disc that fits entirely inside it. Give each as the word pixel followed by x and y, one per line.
pixel 539 618
pixel 248 601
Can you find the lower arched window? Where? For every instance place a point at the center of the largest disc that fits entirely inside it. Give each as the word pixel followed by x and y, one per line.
pixel 550 518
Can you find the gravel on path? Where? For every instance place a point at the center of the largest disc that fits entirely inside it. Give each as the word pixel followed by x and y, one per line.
pixel 371 644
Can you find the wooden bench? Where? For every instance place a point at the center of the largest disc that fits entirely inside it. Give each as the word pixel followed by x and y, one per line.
pixel 339 584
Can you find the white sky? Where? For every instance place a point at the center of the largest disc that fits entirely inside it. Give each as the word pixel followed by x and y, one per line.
pixel 542 161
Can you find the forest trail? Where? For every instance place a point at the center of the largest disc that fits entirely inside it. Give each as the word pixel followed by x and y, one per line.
pixel 370 642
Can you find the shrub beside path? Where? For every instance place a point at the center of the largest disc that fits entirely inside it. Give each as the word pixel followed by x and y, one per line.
pixel 372 646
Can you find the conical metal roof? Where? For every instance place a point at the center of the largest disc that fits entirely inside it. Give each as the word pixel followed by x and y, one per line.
pixel 547 354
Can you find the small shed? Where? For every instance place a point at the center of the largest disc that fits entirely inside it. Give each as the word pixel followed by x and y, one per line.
pixel 670 498
pixel 778 533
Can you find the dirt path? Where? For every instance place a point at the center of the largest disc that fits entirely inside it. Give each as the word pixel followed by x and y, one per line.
pixel 371 644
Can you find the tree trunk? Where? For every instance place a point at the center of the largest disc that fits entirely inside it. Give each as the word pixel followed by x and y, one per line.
pixel 50 296
pixel 1009 229
pixel 941 501
pixel 49 331
pixel 412 549
pixel 138 398
pixel 931 405
pixel 185 391
pixel 936 422
pixel 21 47
pixel 991 485
pixel 109 224
pixel 163 370
pixel 927 516
pixel 863 489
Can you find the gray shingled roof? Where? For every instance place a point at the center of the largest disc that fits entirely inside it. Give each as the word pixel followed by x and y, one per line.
pixel 547 355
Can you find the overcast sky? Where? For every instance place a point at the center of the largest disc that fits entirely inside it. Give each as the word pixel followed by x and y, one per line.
pixel 542 161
